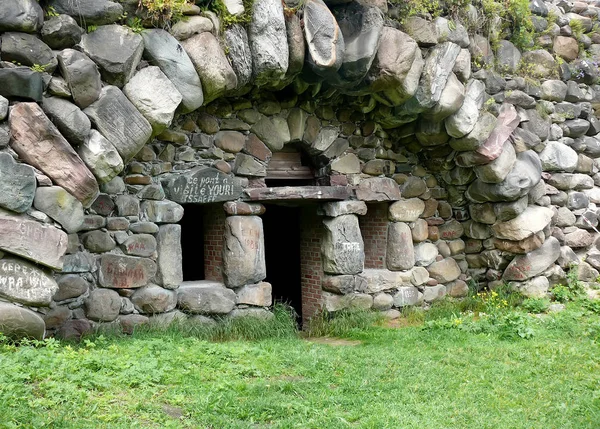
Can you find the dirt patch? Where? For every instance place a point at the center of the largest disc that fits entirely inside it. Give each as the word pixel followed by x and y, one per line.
pixel 175 412
pixel 401 322
pixel 330 341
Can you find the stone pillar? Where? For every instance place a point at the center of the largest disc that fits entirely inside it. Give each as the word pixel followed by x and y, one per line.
pixel 400 253
pixel 170 270
pixel 244 249
pixel 342 248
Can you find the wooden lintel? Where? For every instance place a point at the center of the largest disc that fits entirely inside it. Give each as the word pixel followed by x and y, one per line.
pixel 288 193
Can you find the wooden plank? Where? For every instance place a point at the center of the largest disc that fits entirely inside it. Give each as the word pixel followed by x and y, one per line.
pixel 307 193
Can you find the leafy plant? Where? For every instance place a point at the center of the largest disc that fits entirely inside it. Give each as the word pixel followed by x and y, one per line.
pixel 135 24
pixel 50 12
pixel 592 306
pixel 536 305
pixel 38 68
pixel 514 326
pixel 573 290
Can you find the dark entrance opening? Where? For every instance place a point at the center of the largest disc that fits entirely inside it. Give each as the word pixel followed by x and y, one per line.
pixel 192 242
pixel 282 255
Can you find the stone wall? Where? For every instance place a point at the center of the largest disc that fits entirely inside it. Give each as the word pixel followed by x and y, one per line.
pixel 437 160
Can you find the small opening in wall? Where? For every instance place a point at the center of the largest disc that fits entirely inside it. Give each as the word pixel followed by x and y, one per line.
pixel 192 242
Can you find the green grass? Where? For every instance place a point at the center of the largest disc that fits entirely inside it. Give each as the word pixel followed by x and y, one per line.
pixel 442 374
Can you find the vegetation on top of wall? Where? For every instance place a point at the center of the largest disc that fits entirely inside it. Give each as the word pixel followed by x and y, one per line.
pixel 163 13
pixel 496 19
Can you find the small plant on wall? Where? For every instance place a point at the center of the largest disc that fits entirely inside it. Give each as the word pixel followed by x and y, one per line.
pixel 163 13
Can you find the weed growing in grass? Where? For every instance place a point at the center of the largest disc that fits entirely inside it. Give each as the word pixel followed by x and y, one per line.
pixel 536 305
pixel 591 306
pixel 573 290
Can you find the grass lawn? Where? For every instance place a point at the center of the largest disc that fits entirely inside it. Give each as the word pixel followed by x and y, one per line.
pixel 453 372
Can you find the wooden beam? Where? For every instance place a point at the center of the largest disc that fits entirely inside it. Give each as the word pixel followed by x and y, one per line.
pixel 307 193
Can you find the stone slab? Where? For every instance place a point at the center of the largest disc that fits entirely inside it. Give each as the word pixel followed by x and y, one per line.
pixel 23 282
pixel 39 143
pixel 284 193
pixel 32 240
pixel 201 185
pixel 124 272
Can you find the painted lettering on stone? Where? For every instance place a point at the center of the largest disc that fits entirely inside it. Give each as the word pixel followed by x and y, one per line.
pixel 25 283
pixel 349 246
pixel 202 185
pixel 125 271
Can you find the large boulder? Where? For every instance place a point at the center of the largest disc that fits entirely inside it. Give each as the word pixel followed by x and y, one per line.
pixel 103 305
pixel 205 297
pixel 444 271
pixel 26 16
pixel 21 82
pixel 164 51
pixel 82 76
pixel 28 50
pixel 101 157
pixel 528 223
pixel 259 294
pixel 526 173
pixel 362 27
pixel 539 63
pixel 17 184
pixel 89 12
pixel 296 45
pixel 557 156
pixel 120 122
pixel 243 251
pixel 18 322
pixel 508 57
pixel 462 122
pixel 124 272
pixel 116 49
pixel 406 210
pixel 38 142
pixel 73 124
pixel 526 266
pixel 26 283
pixel 323 37
pixel 210 62
pixel 239 54
pixel 342 246
pixel 153 94
pixel 43 244
pixel 60 206
pixel 450 101
pixel 161 211
pixel 268 41
pixel 61 32
pixel 154 299
pixel 436 72
pixel 397 67
pixel 497 170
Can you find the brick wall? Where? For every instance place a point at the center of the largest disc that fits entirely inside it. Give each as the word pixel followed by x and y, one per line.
pixel 311 231
pixel 214 230
pixel 373 227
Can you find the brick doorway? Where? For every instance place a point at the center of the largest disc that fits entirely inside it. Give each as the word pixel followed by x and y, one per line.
pixel 202 229
pixel 293 259
pixel 282 254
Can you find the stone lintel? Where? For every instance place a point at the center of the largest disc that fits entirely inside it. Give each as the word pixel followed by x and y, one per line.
pixel 317 193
